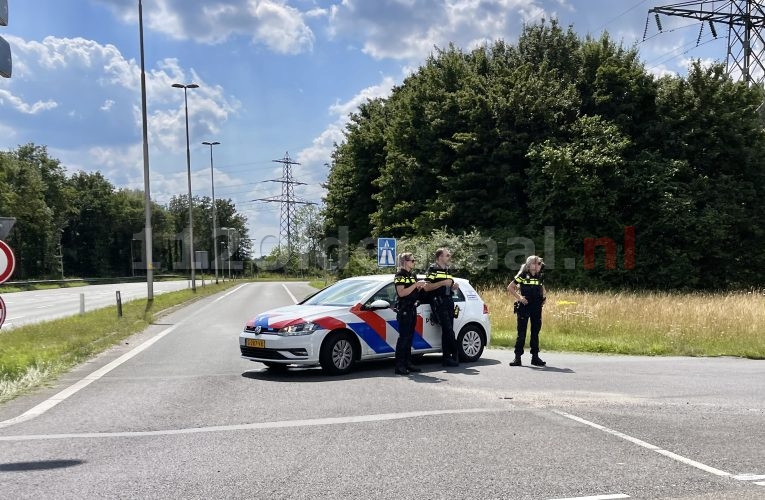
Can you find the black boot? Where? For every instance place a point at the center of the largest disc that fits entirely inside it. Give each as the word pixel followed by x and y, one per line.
pixel 537 361
pixel 516 361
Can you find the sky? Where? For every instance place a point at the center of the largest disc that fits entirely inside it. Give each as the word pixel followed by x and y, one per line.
pixel 275 77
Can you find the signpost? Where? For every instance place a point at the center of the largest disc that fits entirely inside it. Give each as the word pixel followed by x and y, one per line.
pixel 6 224
pixel 386 252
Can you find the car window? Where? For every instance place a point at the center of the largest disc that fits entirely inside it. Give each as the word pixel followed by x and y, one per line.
pixel 387 293
pixel 343 293
pixel 458 296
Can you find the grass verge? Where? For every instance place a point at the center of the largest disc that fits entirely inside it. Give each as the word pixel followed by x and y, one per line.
pixel 33 354
pixel 319 284
pixel 652 323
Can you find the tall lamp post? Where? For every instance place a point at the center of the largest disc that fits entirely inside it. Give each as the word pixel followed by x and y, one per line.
pixel 146 191
pixel 215 230
pixel 185 88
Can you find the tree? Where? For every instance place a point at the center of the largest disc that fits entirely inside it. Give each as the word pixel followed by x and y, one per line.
pixel 355 165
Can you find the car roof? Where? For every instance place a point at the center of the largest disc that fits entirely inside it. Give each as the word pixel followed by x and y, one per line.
pixel 386 277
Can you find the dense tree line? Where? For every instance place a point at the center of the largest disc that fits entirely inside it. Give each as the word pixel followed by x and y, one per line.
pixel 569 133
pixel 93 229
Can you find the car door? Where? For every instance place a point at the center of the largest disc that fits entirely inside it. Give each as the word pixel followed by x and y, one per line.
pixel 427 333
pixel 378 330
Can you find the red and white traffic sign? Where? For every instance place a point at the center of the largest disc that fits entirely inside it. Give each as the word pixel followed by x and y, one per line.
pixel 2 312
pixel 7 262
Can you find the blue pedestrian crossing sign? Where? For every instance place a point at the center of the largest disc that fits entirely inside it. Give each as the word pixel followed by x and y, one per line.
pixel 386 252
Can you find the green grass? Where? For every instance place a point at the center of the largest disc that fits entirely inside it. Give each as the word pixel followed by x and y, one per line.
pixel 33 354
pixel 320 283
pixel 651 323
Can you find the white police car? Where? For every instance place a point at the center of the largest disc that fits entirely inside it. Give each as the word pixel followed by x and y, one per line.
pixel 352 320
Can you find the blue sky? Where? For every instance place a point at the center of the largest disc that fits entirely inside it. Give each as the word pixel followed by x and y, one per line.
pixel 275 76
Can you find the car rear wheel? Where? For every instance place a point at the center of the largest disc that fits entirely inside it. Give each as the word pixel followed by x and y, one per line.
pixel 338 353
pixel 471 343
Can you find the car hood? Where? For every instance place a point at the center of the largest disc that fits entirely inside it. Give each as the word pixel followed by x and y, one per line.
pixel 275 319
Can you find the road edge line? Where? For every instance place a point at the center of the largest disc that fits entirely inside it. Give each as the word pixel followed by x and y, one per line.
pixel 57 398
pixel 649 446
pixel 294 300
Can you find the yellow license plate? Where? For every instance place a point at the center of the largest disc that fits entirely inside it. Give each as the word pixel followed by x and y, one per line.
pixel 255 343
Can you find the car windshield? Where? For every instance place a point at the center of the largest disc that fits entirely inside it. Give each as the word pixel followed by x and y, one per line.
pixel 343 293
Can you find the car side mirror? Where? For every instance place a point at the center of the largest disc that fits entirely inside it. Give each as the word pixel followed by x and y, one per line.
pixel 379 304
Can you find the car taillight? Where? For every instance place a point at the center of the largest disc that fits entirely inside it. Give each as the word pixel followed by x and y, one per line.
pixel 485 309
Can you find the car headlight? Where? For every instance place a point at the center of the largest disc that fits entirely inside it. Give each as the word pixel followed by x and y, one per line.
pixel 299 329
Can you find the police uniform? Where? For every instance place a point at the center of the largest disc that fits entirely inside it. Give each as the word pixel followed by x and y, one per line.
pixel 406 315
pixel 531 288
pixel 442 305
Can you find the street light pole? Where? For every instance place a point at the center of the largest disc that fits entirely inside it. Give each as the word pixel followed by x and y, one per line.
pixel 212 180
pixel 188 173
pixel 146 190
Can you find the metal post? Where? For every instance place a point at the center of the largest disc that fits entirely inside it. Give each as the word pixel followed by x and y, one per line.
pixel 188 173
pixel 214 216
pixel 191 201
pixel 146 188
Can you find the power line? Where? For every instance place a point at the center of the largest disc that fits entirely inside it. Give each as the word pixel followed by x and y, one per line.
pixel 695 46
pixel 745 20
pixel 287 200
pixel 641 2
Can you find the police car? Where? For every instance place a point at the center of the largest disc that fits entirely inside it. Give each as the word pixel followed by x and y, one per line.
pixel 353 320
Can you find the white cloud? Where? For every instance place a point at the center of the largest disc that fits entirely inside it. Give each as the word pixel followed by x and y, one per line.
pixel 400 29
pixel 83 78
pixel 272 23
pixel 19 105
pixel 321 148
pixel 661 71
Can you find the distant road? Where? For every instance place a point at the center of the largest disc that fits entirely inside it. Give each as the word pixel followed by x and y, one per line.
pixel 43 305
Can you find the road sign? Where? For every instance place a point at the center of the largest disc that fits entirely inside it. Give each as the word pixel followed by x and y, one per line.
pixel 2 312
pixel 6 224
pixel 7 262
pixel 386 252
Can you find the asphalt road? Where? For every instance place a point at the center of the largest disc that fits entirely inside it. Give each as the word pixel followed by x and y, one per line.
pixel 186 417
pixel 43 305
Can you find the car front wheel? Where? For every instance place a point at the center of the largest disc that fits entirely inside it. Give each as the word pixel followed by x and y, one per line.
pixel 338 353
pixel 471 343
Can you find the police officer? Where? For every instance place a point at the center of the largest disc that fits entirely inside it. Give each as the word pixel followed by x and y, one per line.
pixel 407 293
pixel 440 287
pixel 529 290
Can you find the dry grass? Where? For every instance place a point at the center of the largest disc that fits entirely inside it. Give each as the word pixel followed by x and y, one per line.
pixel 696 324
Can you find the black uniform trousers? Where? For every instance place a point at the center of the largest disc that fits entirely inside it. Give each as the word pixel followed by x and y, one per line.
pixel 529 312
pixel 407 320
pixel 445 314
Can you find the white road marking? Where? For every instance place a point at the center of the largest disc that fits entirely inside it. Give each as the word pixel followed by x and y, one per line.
pixel 597 497
pixel 749 477
pixel 357 419
pixel 89 379
pixel 674 456
pixel 294 300
pixel 760 483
